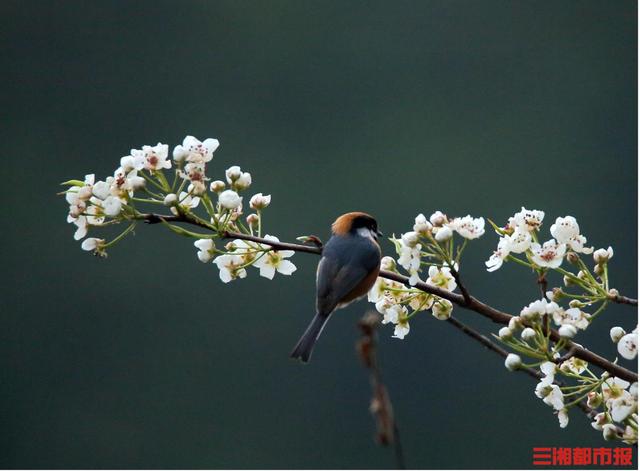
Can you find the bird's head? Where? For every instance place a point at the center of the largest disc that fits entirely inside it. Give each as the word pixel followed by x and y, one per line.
pixel 357 224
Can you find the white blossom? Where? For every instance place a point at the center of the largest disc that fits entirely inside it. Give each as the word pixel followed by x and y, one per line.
pixel 610 432
pixel 217 186
pixel 230 267
pixel 628 346
pixel 505 333
pixel 229 199
pixel 572 316
pixel 616 333
pixel 186 202
pixel 468 227
pixel 443 233
pixel 93 244
pixel 441 309
pixel 527 219
pixel 422 226
pixel 260 201
pixel 441 277
pixel 438 219
pixel 601 256
pixel 622 407
pixel 519 240
pixel 233 173
pixel 498 257
pixel 274 260
pixel 205 249
pixel 563 418
pixel 548 255
pixel 528 334
pixel 153 157
pixel 512 362
pixel 194 151
pixel 567 331
pixel 170 199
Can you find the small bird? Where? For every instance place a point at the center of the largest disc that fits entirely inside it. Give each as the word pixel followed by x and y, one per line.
pixel 348 269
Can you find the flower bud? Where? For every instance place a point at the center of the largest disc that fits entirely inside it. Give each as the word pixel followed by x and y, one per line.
pixel 572 258
pixel 567 331
pixel 243 182
pixel 599 421
pixel 388 263
pixel 258 201
pixel 179 153
pixel 515 323
pixel 438 219
pixel 598 270
pixel 601 256
pixel 582 275
pixel 567 281
pixel 609 432
pixel 422 226
pixel 441 310
pixel 410 239
pixel 171 199
pixel 505 333
pixel 556 294
pixel 512 362
pixel 575 303
pixel 616 333
pixel 613 293
pixel 594 399
pixel 217 186
pixel 528 334
pixel 233 173
pixel 444 233
pixel 229 199
pixel 252 219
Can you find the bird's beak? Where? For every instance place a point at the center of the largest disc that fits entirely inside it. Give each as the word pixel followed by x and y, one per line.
pixel 380 234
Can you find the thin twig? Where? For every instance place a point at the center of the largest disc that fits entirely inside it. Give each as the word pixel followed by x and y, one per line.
pixel 387 432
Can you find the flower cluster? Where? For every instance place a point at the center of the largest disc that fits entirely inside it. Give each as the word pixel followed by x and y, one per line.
pixel 432 239
pixel 141 180
pixel 520 236
pixel 529 333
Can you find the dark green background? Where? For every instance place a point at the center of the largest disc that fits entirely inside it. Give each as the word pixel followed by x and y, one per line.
pixel 147 360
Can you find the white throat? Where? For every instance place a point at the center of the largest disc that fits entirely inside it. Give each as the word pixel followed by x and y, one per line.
pixel 367 233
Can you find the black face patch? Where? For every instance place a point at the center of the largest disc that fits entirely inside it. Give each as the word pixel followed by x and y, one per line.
pixel 366 222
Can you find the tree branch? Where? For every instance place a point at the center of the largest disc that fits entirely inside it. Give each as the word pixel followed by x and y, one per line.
pixel 467 302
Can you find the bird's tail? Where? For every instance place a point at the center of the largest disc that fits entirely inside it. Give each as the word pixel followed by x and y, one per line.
pixel 305 345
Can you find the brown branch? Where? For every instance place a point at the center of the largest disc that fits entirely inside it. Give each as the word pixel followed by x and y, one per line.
pixel 387 432
pixel 624 300
pixel 468 302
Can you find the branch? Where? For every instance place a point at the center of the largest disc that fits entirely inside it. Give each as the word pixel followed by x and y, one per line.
pixel 467 302
pixel 624 300
pixel 381 407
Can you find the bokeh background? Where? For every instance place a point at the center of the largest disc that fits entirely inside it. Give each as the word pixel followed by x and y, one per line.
pixel 146 359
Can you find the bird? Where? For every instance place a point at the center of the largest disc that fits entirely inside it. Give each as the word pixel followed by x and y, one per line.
pixel 348 269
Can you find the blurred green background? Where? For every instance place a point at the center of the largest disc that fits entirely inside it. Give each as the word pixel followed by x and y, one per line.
pixel 147 360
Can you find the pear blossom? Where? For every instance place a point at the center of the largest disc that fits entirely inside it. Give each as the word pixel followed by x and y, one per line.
pixel 441 309
pixel 112 206
pixel 230 267
pixel 443 233
pixel 153 157
pixel 259 201
pixel 97 246
pixel 421 301
pixel 622 407
pixel 170 199
pixel 567 331
pixel 205 249
pixel 233 173
pixel 387 263
pixel 609 431
pixel 528 334
pixel 229 199
pixel 549 255
pixel 243 182
pixel 512 362
pixel 527 219
pixel 601 256
pixel 519 240
pixel 616 333
pixel 438 219
pixel 274 260
pixel 422 226
pixel 498 257
pixel 599 421
pixel 186 202
pixel 505 333
pixel 613 388
pixel 628 346
pixel 630 435
pixel 574 365
pixel 441 277
pixel 563 418
pixel 567 231
pixel 194 151
pixel 129 162
pixel 534 310
pixel 401 329
pixel 217 186
pixel 468 227
pixel 572 316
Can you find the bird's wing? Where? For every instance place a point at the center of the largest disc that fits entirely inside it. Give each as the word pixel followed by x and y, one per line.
pixel 338 275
